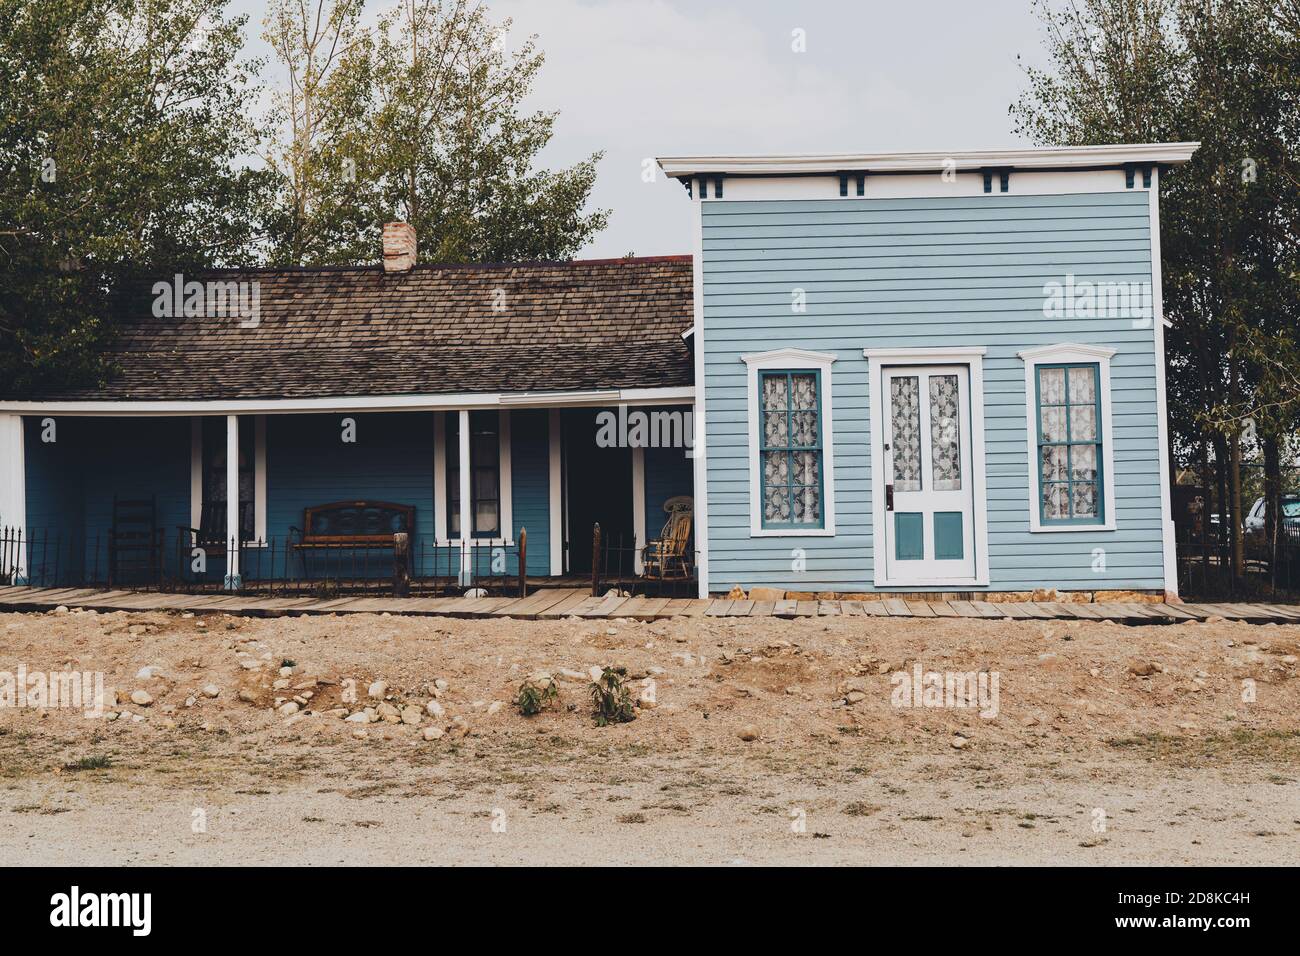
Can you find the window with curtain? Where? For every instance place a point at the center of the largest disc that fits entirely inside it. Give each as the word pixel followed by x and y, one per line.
pixel 1070 444
pixel 213 513
pixel 485 473
pixel 790 447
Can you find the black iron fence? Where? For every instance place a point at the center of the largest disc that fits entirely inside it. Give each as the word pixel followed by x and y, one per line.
pixel 1269 570
pixel 410 564
pixel 617 564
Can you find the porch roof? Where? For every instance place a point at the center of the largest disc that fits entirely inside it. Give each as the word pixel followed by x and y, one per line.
pixel 438 329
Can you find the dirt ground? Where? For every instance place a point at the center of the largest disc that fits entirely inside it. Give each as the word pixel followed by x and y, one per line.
pixel 1110 744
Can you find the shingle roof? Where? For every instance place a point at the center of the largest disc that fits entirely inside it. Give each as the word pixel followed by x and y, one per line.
pixel 612 323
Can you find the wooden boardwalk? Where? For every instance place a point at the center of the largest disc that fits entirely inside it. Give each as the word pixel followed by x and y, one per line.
pixel 551 603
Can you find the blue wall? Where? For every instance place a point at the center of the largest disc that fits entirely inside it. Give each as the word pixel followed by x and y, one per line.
pixel 926 272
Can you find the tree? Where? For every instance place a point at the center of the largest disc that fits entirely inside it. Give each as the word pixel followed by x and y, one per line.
pixel 1226 73
pixel 425 114
pixel 120 125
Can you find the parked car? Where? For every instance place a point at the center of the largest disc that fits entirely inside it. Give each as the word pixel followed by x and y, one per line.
pixel 1290 513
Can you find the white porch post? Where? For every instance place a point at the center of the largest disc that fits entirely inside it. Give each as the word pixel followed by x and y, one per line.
pixel 466 510
pixel 556 501
pixel 13 490
pixel 638 505
pixel 232 502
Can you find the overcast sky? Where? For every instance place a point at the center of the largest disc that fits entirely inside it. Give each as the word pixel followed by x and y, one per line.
pixel 639 78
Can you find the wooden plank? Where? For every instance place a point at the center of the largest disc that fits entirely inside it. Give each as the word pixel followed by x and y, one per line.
pixel 1283 613
pixel 896 607
pixel 942 609
pixel 719 608
pixel 1176 611
pixel 544 601
pixel 920 608
pixel 763 609
pixel 874 609
pixel 1031 610
pixel 987 609
pixel 963 609
pixel 607 606
pixel 786 609
pixel 579 598
pixel 1013 610
pixel 648 611
pixel 805 608
pixel 740 608
pixel 852 609
pixel 828 608
pixel 696 607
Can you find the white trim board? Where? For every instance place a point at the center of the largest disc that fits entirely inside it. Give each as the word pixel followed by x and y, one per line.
pixel 555 487
pixel 638 505
pixel 1053 355
pixel 796 359
pixel 678 395
pixel 13 483
pixel 1168 540
pixel 1049 157
pixel 973 357
pixel 700 431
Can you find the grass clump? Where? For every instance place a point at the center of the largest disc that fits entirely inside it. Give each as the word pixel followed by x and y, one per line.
pixel 534 696
pixel 611 700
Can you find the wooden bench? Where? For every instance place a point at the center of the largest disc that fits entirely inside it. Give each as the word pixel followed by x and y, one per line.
pixel 353 524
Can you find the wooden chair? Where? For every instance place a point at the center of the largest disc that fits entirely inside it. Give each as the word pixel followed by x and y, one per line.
pixel 668 557
pixel 135 542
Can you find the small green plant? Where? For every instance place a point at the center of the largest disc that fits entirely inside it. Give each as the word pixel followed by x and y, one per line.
pixel 288 662
pixel 98 762
pixel 611 700
pixel 534 697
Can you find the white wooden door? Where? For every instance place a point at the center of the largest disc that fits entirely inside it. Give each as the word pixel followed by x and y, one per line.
pixel 929 505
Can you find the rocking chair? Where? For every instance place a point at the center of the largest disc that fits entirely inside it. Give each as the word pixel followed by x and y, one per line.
pixel 668 557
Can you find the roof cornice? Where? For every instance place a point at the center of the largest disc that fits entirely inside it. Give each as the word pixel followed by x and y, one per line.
pixel 1041 158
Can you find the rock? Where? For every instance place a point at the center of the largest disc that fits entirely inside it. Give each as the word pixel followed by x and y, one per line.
pixel 141 698
pixel 737 593
pixel 1288 658
pixel 378 689
pixel 571 675
pixel 251 664
pixel 594 673
pixel 957 743
pixel 432 733
pixel 386 710
pixel 434 708
pixel 855 697
pixel 647 699
pixel 211 690
pixel 190 701
pixel 360 717
pixel 360 733
pixel 61 609
pixel 748 732
pixel 494 707
pixel 289 709
pixel 246 696
pixel 286 671
pixel 767 594
pixel 1143 669
pixel 411 715
pixel 146 673
pixel 476 593
pixel 280 683
pixel 441 684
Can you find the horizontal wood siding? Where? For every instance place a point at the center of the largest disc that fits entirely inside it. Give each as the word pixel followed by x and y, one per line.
pixel 668 473
pixel 926 272
pixel 530 458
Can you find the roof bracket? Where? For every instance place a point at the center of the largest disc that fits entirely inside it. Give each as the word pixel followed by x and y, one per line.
pixel 1004 178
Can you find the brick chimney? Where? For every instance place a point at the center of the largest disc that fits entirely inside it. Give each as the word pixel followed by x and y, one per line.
pixel 399 247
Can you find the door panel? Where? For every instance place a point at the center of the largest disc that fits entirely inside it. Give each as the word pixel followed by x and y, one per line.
pixel 929 504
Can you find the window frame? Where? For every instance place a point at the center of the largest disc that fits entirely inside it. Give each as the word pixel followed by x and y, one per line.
pixel 1067 356
pixel 791 362
pixel 446 439
pixel 199 471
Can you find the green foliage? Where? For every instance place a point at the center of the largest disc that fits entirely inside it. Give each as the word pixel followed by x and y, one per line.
pixel 97 762
pixel 1227 74
pixel 611 700
pixel 418 118
pixel 534 697
pixel 120 124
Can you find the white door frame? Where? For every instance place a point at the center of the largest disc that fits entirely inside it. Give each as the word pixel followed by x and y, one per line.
pixel 973 358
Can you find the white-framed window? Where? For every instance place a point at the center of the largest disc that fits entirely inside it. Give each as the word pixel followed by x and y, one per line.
pixel 1070 440
pixel 791 444
pixel 208 493
pixel 491 492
